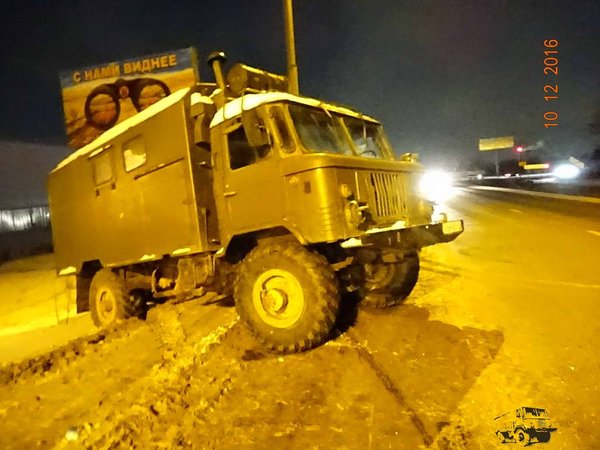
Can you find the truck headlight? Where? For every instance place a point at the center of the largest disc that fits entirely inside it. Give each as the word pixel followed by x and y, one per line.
pixel 436 185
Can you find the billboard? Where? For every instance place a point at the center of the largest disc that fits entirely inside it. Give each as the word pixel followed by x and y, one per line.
pixel 96 98
pixel 497 143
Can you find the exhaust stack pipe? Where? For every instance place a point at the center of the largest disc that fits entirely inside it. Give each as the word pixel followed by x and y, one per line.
pixel 216 60
pixel 291 48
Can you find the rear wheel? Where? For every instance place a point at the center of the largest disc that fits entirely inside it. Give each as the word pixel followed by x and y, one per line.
pixel 389 284
pixel 110 302
pixel 501 437
pixel 543 436
pixel 287 295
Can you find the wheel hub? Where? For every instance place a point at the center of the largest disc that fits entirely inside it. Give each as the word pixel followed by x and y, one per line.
pixel 274 300
pixel 106 306
pixel 378 275
pixel 278 298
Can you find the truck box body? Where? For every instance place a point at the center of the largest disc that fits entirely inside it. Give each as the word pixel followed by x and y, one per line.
pixel 134 192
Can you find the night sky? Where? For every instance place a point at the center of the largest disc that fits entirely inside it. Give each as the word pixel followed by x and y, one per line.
pixel 438 74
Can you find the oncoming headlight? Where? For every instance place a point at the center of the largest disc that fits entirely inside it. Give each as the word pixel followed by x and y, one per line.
pixel 566 171
pixel 436 185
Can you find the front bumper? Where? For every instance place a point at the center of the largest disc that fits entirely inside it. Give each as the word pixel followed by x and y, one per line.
pixel 410 237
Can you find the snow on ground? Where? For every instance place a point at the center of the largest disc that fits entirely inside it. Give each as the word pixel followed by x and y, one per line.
pixel 37 309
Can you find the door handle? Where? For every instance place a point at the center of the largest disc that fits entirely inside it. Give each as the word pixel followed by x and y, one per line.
pixel 229 194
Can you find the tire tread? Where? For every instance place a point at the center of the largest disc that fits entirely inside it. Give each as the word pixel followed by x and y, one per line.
pixel 317 269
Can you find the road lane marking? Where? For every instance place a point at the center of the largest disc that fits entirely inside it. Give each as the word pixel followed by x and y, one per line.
pixel 595 233
pixel 464 272
pixel 533 281
pixel 539 194
pixel 570 284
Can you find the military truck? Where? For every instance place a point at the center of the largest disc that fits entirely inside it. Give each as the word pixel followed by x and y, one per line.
pixel 242 187
pixel 526 424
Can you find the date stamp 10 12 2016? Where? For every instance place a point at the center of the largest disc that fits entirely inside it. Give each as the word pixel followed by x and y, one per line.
pixel 551 78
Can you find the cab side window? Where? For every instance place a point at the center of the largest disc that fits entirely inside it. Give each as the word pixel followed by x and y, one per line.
pixel 241 153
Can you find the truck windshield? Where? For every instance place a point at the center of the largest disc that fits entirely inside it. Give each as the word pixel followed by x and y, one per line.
pixel 319 131
pixel 537 412
pixel 323 131
pixel 368 138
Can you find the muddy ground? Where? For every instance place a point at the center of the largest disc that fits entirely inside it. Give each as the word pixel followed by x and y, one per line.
pixel 164 383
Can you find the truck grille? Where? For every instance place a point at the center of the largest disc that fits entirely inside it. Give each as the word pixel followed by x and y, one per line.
pixel 387 193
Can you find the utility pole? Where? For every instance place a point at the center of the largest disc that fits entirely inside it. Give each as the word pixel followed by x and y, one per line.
pixel 290 42
pixel 497 164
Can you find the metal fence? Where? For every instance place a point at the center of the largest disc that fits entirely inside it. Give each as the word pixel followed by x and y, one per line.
pixel 24 218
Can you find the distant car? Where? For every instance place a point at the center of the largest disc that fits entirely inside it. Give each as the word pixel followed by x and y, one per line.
pixel 473 175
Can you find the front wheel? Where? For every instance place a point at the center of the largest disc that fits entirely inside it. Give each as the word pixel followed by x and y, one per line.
pixel 522 437
pixel 389 284
pixel 287 295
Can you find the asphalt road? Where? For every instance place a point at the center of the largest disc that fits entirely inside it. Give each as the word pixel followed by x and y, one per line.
pixel 505 316
pixel 528 268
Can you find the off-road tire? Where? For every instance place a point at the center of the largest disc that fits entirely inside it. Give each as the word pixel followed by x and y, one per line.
pixel 312 274
pixel 397 286
pixel 543 436
pixel 522 438
pixel 125 305
pixel 501 437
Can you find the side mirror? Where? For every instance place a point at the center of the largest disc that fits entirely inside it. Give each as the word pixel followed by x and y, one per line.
pixel 255 130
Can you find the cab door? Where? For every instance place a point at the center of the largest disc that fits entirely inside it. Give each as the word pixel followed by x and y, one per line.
pixel 252 184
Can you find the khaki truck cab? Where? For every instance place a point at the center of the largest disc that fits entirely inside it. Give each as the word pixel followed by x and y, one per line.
pixel 524 426
pixel 285 201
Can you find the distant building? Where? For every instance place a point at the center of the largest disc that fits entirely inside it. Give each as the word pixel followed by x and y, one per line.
pixel 24 217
